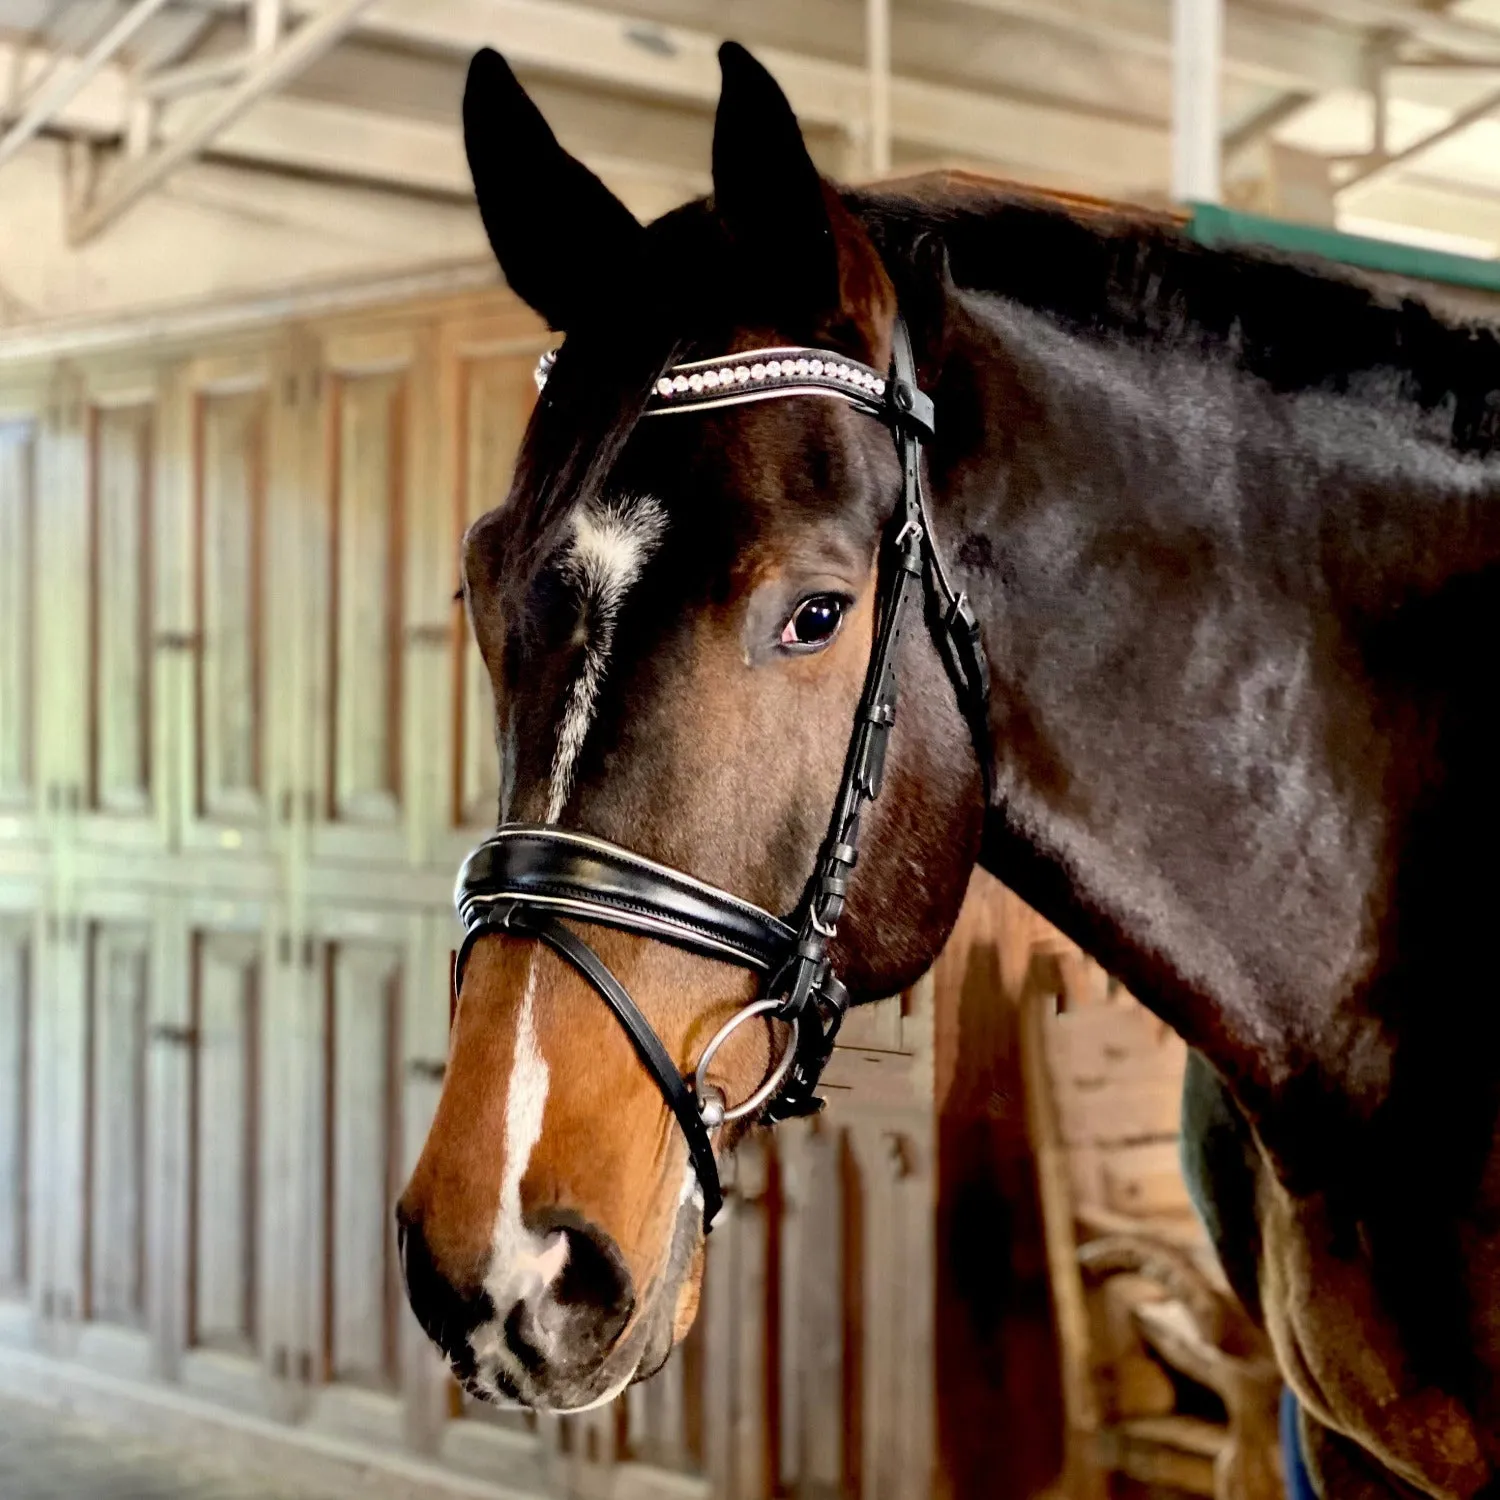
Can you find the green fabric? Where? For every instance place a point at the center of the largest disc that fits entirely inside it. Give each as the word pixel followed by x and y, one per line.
pixel 1212 225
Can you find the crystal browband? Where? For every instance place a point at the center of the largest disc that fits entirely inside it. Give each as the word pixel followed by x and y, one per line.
pixel 756 375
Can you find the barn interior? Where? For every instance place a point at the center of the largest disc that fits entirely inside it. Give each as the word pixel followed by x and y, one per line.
pixel 258 371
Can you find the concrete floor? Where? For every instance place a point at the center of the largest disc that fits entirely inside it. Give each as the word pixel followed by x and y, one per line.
pixel 45 1456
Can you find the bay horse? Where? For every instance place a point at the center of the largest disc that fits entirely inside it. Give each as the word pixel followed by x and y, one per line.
pixel 1228 530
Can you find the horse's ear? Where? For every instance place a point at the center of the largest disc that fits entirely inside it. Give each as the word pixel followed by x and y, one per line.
pixel 561 237
pixel 767 191
pixel 797 241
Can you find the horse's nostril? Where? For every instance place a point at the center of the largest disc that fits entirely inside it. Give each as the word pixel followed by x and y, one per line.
pixel 594 1275
pixel 575 1316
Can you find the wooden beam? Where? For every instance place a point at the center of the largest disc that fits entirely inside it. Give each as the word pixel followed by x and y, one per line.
pixel 1275 51
pixel 214 318
pixel 878 60
pixel 337 141
pixel 1197 151
pixel 313 38
pixel 191 77
pixel 64 85
pixel 1057 143
pixel 1459 35
pixel 332 140
pixel 1383 163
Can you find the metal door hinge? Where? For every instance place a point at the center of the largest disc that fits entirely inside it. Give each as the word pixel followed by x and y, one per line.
pixel 174 1036
pixel 177 640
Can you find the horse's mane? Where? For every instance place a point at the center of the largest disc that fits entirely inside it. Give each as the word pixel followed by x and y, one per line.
pixel 1098 269
pixel 1101 269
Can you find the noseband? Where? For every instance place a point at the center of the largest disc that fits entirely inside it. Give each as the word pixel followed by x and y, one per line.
pixel 527 878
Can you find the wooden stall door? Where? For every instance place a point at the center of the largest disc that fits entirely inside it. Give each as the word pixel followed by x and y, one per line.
pixel 236 1205
pixel 121 973
pixel 368 495
pixel 117 570
pixel 238 576
pixel 352 1045
pixel 22 1180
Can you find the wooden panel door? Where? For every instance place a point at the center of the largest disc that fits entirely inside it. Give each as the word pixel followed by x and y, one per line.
pixel 488 389
pixel 121 969
pixel 235 430
pixel 22 1179
pixel 60 1041
pixel 235 1200
pixel 123 800
pixel 370 492
pixel 357 1044
pixel 88 1137
pixel 20 437
pixel 60 548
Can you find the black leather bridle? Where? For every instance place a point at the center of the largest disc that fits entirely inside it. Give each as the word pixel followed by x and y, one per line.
pixel 527 878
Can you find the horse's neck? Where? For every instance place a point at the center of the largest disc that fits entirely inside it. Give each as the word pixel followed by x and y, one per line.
pixel 1207 737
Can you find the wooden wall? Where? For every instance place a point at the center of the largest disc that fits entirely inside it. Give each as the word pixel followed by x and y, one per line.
pixel 244 741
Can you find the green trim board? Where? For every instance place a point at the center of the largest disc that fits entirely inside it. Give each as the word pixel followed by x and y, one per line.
pixel 1213 225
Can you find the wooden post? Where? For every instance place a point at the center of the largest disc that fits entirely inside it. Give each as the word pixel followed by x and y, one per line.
pixel 998 1419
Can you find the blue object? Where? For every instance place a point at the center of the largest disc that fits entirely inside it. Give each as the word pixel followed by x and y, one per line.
pixel 1298 1483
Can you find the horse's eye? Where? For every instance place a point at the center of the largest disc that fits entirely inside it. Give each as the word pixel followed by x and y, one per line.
pixel 814 622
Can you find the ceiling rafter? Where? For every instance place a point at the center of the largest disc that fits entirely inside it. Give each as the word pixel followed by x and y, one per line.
pixel 230 105
pixel 60 85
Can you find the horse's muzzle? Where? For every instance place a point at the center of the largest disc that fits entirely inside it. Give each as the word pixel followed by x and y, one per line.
pixel 542 1330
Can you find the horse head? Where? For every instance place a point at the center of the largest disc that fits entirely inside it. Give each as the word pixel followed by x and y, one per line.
pixel 677 617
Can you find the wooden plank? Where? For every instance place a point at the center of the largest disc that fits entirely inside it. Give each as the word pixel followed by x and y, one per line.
pixel 17 609
pixel 656 1417
pixel 229 575
pixel 1080 1397
pixel 1140 1109
pixel 225 1179
pixel 362 1117
pixel 15 1107
pixel 120 547
pixel 1145 1180
pixel 875 1027
pixel 497 394
pixel 1121 1041
pixel 719 1314
pixel 369 525
pixel 811 1379
pixel 750 1371
pixel 118 1005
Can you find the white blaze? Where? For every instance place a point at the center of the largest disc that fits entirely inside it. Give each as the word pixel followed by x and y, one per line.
pixel 611 544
